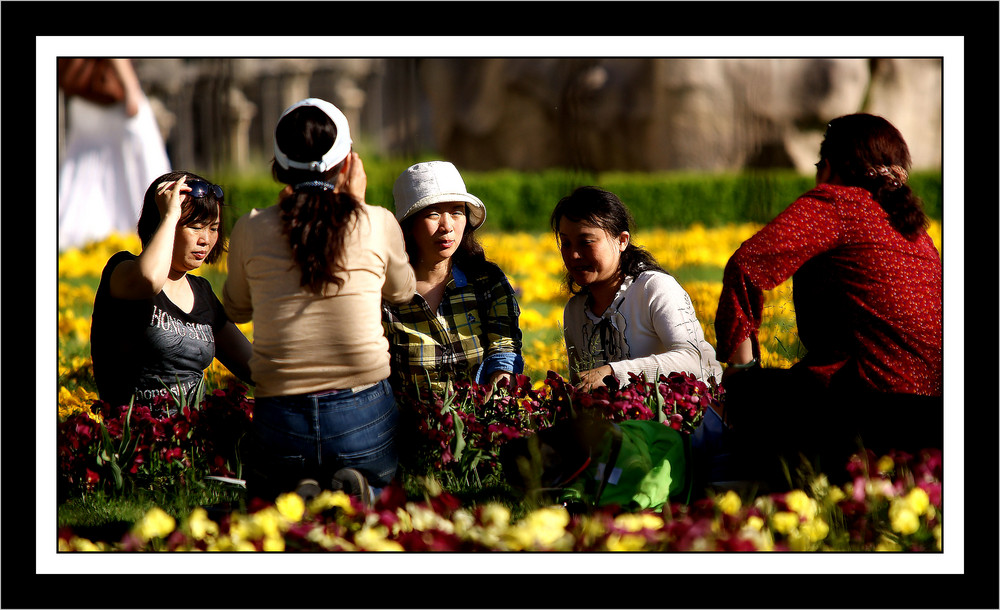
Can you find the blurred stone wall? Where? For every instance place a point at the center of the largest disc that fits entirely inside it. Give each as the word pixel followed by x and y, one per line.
pixel 535 113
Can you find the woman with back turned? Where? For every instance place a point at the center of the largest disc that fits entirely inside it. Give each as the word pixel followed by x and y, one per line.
pixel 312 272
pixel 868 304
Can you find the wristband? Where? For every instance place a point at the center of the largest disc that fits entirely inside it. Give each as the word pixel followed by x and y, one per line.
pixel 747 365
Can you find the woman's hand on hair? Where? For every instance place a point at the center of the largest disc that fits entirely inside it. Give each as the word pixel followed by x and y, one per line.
pixel 145 276
pixel 356 181
pixel 168 198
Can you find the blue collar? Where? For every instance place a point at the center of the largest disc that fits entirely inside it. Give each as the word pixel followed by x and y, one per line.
pixel 459 277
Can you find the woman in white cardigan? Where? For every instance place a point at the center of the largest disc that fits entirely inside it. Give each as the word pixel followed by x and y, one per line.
pixel 627 314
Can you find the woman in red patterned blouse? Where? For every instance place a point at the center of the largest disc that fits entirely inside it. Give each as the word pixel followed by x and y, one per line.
pixel 866 288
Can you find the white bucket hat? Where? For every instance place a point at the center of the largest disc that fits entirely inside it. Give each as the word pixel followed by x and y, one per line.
pixel 337 153
pixel 433 182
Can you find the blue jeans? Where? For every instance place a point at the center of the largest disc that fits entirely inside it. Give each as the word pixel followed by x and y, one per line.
pixel 315 435
pixel 711 450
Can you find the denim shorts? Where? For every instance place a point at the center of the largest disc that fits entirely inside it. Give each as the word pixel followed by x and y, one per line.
pixel 315 435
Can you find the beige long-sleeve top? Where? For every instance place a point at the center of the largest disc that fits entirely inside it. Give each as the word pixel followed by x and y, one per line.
pixel 303 342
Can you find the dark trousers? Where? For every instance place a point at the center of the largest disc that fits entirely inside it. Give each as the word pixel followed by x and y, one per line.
pixel 784 423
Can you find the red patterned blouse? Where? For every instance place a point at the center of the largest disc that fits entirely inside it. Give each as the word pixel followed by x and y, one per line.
pixel 867 300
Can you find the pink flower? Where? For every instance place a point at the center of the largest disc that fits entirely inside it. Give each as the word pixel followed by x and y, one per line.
pixel 859 489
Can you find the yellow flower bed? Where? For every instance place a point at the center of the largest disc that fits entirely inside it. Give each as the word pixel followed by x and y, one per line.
pixel 534 266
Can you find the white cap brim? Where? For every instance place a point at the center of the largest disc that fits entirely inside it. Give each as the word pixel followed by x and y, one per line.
pixel 477 209
pixel 337 153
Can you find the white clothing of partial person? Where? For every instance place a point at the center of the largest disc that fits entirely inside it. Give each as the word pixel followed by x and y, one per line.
pixel 110 160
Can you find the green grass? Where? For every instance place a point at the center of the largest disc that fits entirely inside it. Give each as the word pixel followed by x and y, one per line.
pixel 102 516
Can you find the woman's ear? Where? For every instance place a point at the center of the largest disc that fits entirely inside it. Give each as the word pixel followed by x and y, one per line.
pixel 623 240
pixel 824 172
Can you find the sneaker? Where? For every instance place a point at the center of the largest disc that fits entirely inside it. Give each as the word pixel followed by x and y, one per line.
pixel 353 483
pixel 308 489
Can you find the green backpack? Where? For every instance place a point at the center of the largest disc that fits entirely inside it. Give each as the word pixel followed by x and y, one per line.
pixel 650 466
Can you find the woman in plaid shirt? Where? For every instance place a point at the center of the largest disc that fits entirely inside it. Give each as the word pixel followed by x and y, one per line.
pixel 462 325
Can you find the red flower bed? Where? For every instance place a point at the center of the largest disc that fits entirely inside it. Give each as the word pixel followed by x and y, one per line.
pixel 462 433
pixel 130 446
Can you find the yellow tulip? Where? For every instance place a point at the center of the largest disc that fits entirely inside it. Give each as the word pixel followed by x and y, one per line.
pixel 269 522
pixel 425 519
pixel 625 542
pixel 902 517
pixel 918 500
pixel 543 528
pixel 291 506
pixel 495 515
pixel 636 522
pixel 801 504
pixel 885 464
pixel 201 526
pixel 331 499
pixel 374 539
pixel 156 523
pixel 814 530
pixel 273 543
pixel 784 521
pixel 730 503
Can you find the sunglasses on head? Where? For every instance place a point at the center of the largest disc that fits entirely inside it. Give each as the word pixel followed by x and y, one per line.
pixel 200 188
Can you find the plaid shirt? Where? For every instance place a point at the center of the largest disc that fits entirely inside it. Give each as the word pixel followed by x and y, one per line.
pixel 474 333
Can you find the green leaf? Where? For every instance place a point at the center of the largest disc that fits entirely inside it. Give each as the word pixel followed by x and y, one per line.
pixel 199 393
pixel 126 429
pixel 107 447
pixel 459 434
pixel 661 415
pixel 117 472
pixel 239 461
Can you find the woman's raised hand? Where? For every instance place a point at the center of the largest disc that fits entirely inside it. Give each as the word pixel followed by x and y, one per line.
pixel 356 182
pixel 168 197
pixel 145 276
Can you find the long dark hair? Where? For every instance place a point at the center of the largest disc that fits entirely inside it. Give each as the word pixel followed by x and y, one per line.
pixel 603 209
pixel 315 219
pixel 469 256
pixel 867 151
pixel 193 211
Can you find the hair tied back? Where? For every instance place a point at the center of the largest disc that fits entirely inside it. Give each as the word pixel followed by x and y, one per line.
pixel 314 185
pixel 896 175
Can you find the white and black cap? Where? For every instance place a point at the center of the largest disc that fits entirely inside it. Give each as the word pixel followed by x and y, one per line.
pixel 341 145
